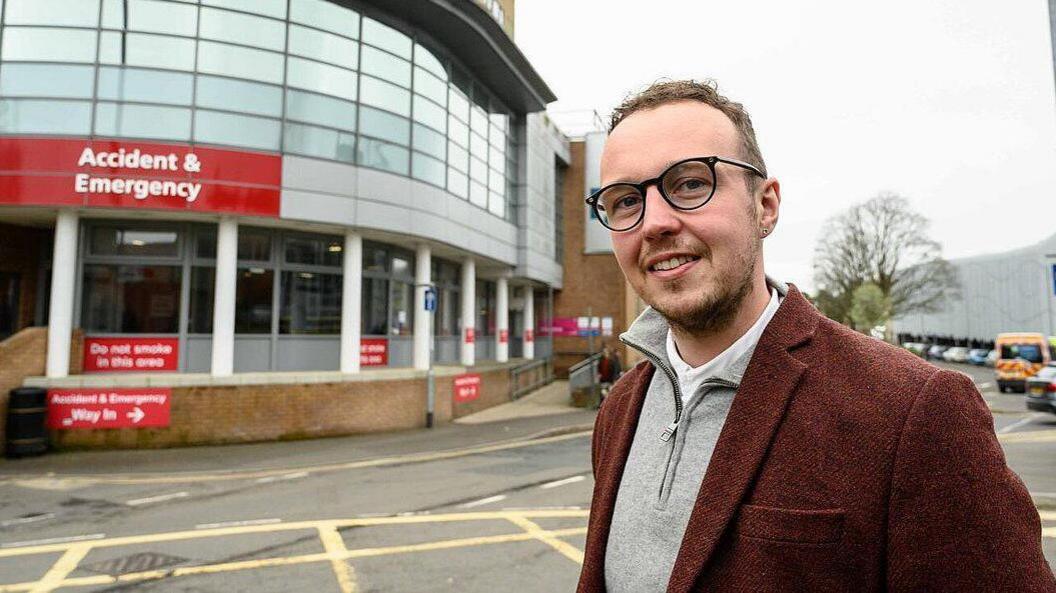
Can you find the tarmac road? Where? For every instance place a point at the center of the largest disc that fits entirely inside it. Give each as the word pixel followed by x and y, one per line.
pixel 477 507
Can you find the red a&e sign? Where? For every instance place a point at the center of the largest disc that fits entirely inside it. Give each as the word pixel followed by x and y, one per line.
pixel 108 408
pixel 467 387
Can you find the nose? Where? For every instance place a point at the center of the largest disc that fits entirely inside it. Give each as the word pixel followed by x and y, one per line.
pixel 660 218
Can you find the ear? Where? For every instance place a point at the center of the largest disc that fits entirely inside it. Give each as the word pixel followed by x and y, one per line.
pixel 768 205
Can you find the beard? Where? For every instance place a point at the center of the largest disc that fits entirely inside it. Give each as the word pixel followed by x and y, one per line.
pixel 712 311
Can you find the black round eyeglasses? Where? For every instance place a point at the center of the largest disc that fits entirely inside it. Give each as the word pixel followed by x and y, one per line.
pixel 685 185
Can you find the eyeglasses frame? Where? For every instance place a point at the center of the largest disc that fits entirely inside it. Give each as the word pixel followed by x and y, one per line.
pixel 643 187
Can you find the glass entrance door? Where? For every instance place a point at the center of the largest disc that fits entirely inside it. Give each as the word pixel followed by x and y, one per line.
pixel 10 284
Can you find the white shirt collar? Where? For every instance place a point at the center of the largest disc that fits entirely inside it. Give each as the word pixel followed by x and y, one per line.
pixel 718 364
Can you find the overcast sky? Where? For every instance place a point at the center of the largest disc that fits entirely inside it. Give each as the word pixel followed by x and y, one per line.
pixel 948 102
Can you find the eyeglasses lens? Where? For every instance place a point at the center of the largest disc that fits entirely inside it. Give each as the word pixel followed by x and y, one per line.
pixel 687 186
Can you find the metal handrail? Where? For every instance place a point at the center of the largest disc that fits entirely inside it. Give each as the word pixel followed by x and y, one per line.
pixel 539 372
pixel 592 358
pixel 583 380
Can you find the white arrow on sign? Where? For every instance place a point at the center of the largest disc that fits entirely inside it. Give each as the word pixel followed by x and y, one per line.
pixel 136 415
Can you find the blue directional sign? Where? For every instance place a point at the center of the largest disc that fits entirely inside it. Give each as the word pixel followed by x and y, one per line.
pixel 430 299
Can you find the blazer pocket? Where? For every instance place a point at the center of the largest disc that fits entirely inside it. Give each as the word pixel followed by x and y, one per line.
pixel 790 525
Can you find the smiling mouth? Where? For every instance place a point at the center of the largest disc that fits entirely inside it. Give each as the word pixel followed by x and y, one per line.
pixel 673 264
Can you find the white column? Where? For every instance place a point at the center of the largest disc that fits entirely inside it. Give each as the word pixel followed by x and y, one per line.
pixel 63 278
pixel 529 323
pixel 423 320
pixel 224 297
pixel 351 303
pixel 469 313
pixel 502 320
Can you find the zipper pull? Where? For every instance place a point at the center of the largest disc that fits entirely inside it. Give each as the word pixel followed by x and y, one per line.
pixel 670 430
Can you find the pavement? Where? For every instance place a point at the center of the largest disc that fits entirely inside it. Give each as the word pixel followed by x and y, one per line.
pixel 546 412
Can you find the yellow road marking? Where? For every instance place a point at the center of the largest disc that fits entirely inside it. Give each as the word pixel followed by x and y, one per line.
pixel 60 570
pixel 76 481
pixel 1047 515
pixel 567 549
pixel 293 560
pixel 300 525
pixel 1032 436
pixel 334 546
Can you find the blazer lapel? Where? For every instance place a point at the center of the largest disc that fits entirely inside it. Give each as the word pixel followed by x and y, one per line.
pixel 756 412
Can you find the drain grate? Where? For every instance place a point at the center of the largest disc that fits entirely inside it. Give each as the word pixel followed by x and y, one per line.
pixel 134 563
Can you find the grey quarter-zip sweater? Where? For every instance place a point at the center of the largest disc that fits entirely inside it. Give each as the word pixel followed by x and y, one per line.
pixel 669 455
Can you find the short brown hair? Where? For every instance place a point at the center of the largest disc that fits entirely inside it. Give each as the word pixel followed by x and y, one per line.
pixel 707 92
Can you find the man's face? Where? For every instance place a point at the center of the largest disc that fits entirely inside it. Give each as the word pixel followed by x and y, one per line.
pixel 721 238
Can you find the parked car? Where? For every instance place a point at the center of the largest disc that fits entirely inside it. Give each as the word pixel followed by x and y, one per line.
pixel 1041 390
pixel 991 358
pixel 956 354
pixel 1020 356
pixel 935 352
pixel 977 356
pixel 916 348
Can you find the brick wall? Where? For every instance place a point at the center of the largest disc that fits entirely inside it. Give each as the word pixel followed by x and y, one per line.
pixel 25 355
pixel 593 280
pixel 246 413
pixel 20 253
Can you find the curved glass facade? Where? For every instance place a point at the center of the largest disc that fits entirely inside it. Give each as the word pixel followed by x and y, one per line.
pixel 304 77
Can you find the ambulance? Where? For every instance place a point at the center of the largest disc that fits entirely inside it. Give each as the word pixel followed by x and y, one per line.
pixel 1019 356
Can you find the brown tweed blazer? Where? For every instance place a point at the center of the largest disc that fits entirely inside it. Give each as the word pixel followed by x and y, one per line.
pixel 845 464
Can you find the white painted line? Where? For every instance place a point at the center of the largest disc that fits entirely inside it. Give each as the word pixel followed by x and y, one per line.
pixel 483 501
pixel 24 520
pixel 161 498
pixel 1016 425
pixel 986 385
pixel 1047 515
pixel 1043 494
pixel 554 508
pixel 292 476
pixel 54 540
pixel 238 523
pixel 571 480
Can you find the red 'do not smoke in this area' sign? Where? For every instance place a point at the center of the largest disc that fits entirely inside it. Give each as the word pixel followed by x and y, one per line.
pixel 108 408
pixel 104 355
pixel 373 352
pixel 467 387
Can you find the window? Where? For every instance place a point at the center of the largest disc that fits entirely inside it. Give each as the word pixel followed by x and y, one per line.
pixel 236 130
pixel 45 117
pixel 456 182
pixel 478 194
pixel 70 13
pixel 223 25
pixel 325 47
pixel 152 86
pixel 48 45
pixel 327 111
pixel 386 38
pixel 142 121
pixel 401 310
pixel 202 297
pixel 457 104
pixel 272 8
pixel 320 142
pixel 485 307
pixel 430 86
pixel 384 125
pixel 322 78
pixel 311 303
pixel 133 241
pixel 239 95
pixel 381 155
pixel 155 16
pixel 242 62
pixel 254 245
pixel 447 318
pixel 142 49
pixel 46 80
pixel 386 66
pixel 1029 352
pixel 315 251
pixel 429 141
pixel 457 131
pixel 131 298
pixel 428 169
pixel 325 15
pixel 253 285
pixel 457 157
pixel 375 307
pixel 385 95
pixel 429 113
pixel 428 60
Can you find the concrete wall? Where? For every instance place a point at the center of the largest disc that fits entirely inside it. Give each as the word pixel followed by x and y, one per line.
pixel 541 145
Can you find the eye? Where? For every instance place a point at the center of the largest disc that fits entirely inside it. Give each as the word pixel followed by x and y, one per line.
pixel 692 185
pixel 628 201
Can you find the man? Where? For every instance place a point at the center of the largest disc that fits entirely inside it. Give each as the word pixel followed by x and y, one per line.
pixel 762 447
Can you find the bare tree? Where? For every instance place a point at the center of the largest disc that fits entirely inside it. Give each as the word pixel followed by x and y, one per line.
pixel 884 242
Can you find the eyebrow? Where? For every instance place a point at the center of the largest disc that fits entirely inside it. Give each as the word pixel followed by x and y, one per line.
pixel 665 167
